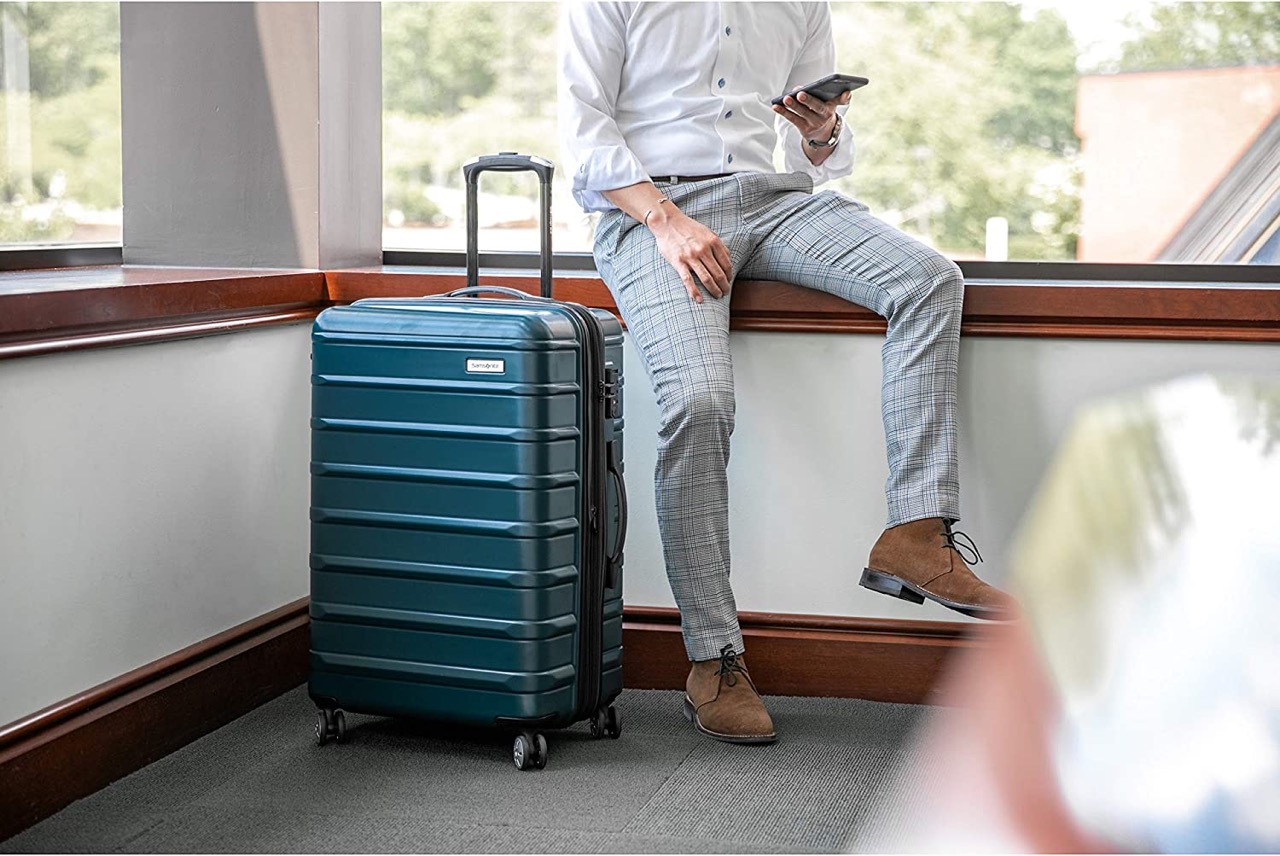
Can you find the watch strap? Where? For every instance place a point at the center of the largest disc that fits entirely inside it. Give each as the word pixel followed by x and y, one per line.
pixel 833 139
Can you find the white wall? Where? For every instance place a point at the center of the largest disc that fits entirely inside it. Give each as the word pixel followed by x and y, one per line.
pixel 153 496
pixel 150 497
pixel 807 470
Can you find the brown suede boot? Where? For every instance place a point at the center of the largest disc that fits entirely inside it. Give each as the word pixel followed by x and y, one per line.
pixel 920 559
pixel 721 701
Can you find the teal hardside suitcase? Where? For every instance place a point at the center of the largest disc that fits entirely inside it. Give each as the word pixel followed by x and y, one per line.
pixel 467 507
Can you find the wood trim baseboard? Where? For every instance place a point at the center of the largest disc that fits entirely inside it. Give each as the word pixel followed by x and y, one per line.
pixel 76 747
pixel 1077 310
pixel 807 655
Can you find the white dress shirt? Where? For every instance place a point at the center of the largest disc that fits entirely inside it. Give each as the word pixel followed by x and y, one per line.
pixel 650 89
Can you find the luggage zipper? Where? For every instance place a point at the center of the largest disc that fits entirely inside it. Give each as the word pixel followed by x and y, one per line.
pixel 595 495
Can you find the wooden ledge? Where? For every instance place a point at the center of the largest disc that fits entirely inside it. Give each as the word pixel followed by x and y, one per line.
pixel 49 311
pixel 350 285
pixel 1102 310
pixel 1096 310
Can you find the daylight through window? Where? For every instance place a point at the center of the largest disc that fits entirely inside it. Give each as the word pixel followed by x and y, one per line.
pixel 1126 132
pixel 60 136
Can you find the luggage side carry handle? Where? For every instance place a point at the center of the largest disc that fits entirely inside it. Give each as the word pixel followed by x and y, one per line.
pixel 620 540
pixel 507 162
pixel 474 290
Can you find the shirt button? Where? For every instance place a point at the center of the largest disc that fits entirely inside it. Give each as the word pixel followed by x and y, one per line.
pixel 720 83
pixel 730 158
pixel 728 31
pixel 729 115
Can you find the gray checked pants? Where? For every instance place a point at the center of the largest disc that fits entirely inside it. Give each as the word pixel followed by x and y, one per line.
pixel 776 228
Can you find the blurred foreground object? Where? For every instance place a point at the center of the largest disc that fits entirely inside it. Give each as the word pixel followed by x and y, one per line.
pixel 1150 568
pixel 1138 706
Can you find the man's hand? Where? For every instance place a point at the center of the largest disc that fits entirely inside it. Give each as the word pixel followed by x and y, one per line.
pixel 692 249
pixel 814 118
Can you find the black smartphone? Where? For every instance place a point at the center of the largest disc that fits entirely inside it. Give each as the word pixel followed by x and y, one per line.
pixel 828 88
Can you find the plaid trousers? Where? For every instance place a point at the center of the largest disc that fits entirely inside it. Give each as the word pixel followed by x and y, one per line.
pixel 776 228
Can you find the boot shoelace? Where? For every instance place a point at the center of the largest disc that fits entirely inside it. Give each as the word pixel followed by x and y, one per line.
pixel 965 548
pixel 729 666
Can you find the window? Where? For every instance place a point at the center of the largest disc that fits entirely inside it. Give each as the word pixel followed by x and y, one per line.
pixel 1127 132
pixel 60 168
pixel 462 79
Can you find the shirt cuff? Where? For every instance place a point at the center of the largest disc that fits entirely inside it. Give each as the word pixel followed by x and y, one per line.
pixel 838 165
pixel 605 168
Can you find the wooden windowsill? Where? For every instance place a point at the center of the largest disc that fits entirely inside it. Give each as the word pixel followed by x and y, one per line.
pixel 1069 310
pixel 49 311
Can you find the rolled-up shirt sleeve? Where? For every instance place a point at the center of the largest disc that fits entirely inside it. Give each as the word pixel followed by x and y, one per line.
pixel 592 49
pixel 816 60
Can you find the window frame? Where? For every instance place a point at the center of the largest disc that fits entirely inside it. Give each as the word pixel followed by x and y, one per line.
pixel 43 256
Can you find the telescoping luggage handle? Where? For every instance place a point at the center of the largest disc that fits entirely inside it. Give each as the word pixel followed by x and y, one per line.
pixel 507 162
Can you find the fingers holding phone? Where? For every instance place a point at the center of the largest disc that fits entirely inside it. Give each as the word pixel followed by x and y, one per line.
pixel 812 107
pixel 828 88
pixel 812 116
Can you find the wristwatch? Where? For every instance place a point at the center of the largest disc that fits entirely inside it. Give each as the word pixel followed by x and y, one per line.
pixel 835 135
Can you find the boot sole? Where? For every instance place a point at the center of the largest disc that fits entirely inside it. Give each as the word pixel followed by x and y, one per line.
pixel 691 714
pixel 883 583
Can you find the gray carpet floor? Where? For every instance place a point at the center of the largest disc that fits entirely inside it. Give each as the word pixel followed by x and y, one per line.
pixel 261 785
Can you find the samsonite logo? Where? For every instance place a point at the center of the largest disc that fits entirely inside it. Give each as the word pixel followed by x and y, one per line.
pixel 486 366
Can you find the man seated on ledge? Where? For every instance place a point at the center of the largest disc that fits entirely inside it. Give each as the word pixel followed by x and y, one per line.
pixel 666 119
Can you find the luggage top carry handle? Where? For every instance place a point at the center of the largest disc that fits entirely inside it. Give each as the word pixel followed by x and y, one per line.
pixel 507 162
pixel 473 291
